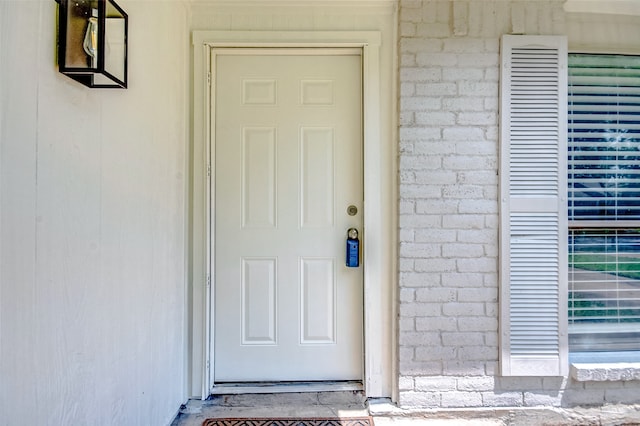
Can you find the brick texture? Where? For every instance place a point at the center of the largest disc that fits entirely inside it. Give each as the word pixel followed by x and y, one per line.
pixel 448 147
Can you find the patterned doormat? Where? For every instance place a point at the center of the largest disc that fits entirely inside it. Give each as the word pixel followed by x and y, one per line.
pixel 292 421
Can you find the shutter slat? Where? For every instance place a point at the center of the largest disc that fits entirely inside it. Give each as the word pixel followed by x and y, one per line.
pixel 533 218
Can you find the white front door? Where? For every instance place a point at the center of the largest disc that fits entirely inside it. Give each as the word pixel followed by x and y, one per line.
pixel 288 185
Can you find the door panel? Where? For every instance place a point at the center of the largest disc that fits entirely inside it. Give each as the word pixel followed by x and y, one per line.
pixel 288 164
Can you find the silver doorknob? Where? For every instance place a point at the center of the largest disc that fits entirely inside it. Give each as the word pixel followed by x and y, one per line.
pixel 352 234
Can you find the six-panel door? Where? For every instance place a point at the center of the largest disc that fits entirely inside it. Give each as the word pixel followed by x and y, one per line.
pixel 288 174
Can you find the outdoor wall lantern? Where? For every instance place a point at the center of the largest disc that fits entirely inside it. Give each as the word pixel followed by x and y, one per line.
pixel 92 42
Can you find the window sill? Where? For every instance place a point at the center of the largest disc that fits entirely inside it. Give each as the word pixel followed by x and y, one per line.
pixel 606 372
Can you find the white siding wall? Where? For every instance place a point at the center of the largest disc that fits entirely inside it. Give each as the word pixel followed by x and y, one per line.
pixel 92 225
pixel 448 339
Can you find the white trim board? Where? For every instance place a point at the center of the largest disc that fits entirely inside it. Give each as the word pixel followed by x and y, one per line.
pixel 379 198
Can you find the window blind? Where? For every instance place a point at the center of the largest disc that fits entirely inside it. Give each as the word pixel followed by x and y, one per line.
pixel 604 137
pixel 604 202
pixel 604 289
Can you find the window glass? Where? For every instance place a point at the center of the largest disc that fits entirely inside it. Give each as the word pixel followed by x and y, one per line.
pixel 604 202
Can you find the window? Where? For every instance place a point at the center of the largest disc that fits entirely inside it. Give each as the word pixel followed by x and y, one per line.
pixel 587 106
pixel 604 202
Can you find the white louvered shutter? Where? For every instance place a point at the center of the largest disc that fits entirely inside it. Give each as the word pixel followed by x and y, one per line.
pixel 533 208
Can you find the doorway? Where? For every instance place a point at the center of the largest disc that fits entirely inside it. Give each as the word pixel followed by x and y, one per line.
pixel 378 210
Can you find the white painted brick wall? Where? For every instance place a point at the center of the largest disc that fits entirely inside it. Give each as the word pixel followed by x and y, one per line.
pixel 448 145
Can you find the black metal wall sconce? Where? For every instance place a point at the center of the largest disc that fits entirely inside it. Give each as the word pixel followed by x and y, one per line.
pixel 92 42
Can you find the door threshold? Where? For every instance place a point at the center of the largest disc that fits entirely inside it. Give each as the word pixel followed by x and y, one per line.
pixel 284 387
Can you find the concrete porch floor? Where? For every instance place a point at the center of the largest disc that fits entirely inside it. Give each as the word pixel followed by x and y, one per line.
pixel 384 413
pixel 312 404
pixel 307 404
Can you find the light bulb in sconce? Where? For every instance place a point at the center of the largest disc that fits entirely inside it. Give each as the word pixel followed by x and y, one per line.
pixel 90 44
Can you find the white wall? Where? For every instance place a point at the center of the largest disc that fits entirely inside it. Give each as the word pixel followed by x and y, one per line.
pixel 93 187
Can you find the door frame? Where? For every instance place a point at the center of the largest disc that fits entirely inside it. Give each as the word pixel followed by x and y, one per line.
pixel 379 189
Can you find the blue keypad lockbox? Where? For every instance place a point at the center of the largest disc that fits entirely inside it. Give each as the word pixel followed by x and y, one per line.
pixel 353 248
